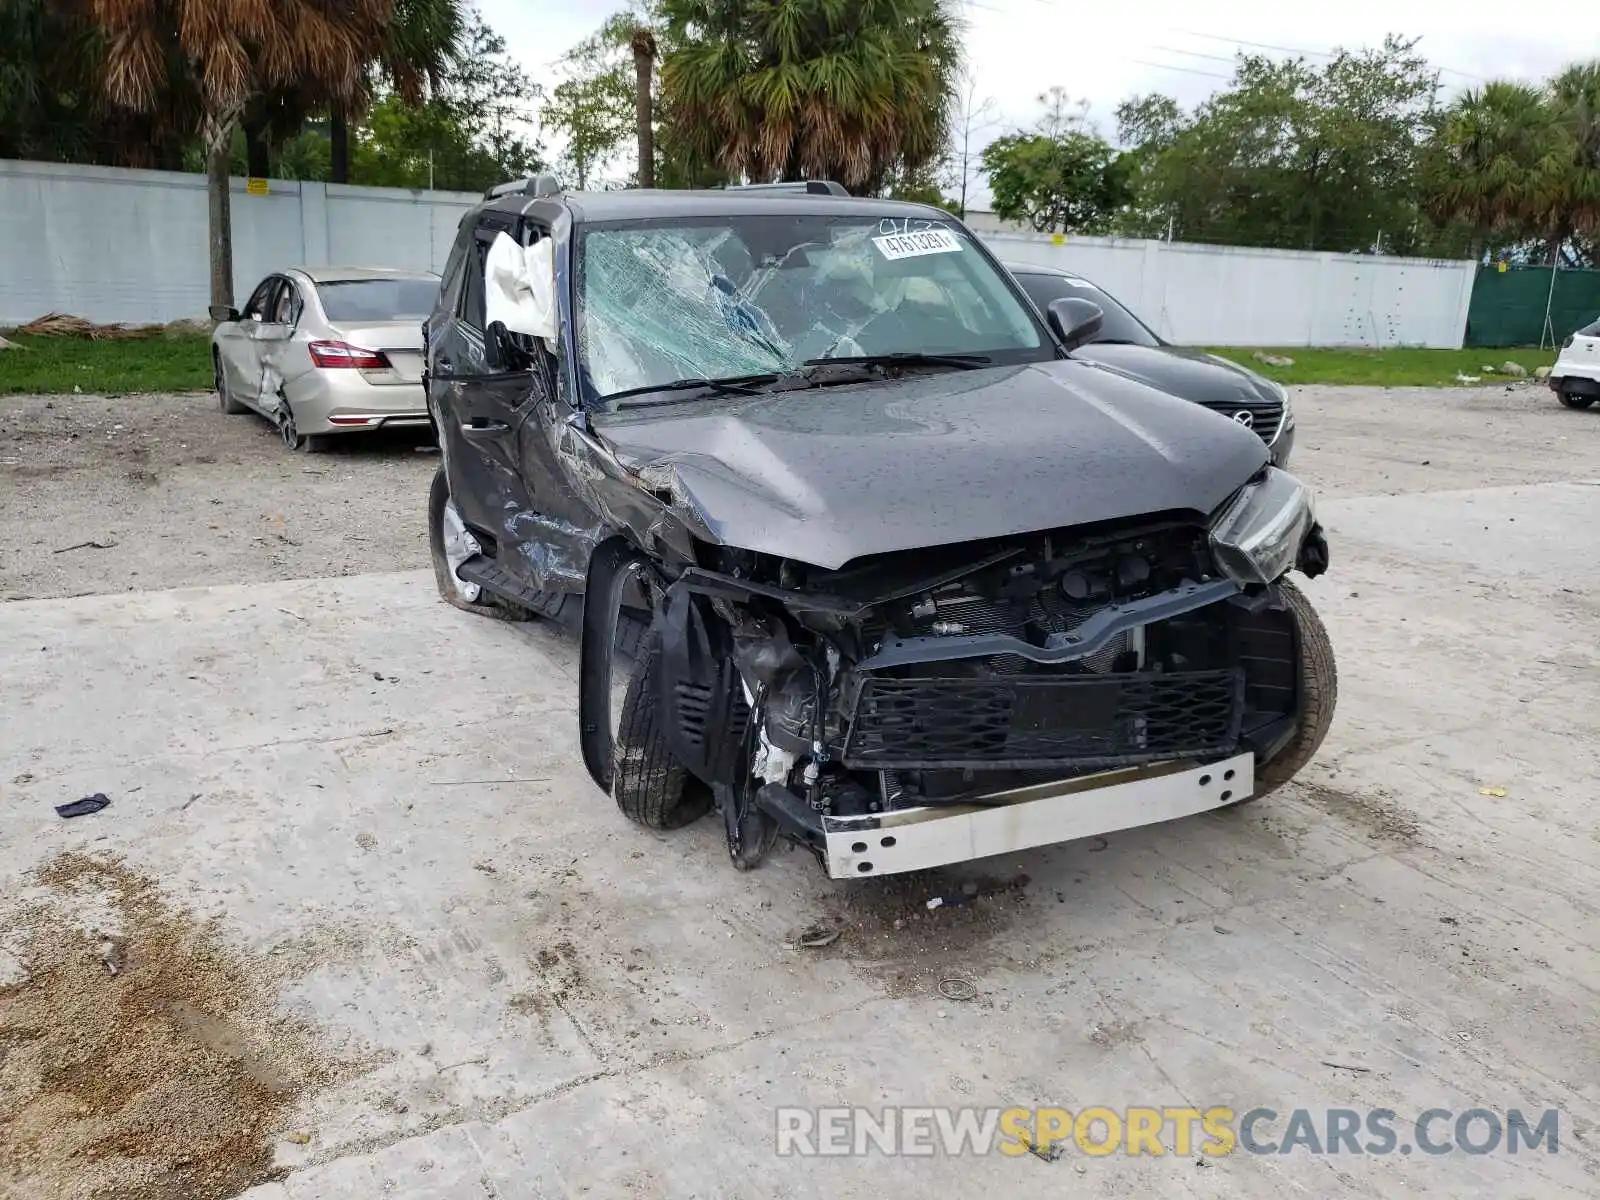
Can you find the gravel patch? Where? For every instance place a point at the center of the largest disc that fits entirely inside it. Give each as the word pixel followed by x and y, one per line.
pixel 134 493
pixel 1365 441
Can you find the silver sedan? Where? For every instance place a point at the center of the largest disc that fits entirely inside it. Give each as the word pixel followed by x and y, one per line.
pixel 326 350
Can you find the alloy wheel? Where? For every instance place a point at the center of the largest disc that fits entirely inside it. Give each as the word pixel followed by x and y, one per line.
pixel 459 546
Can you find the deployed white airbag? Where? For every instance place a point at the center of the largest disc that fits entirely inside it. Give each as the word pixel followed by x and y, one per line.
pixel 520 286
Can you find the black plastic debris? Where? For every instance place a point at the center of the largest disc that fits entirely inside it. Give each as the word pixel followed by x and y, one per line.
pixel 82 808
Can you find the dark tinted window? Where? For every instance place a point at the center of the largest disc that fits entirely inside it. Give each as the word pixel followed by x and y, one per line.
pixel 378 299
pixel 1590 330
pixel 1120 325
pixel 454 265
pixel 471 309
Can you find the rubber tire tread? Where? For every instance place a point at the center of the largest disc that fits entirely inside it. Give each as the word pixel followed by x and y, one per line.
pixel 648 783
pixel 1319 695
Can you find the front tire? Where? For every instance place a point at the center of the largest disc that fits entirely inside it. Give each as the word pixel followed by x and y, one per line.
pixel 649 784
pixel 1573 400
pixel 1319 694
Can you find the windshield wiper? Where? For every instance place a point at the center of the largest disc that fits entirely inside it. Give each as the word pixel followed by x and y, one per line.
pixel 737 385
pixel 906 358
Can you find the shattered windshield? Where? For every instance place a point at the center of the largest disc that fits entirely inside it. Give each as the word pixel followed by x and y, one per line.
pixel 733 297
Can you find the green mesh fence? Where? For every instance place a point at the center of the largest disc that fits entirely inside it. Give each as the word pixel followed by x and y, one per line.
pixel 1508 306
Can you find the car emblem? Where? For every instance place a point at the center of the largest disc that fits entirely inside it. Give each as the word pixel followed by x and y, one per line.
pixel 1245 417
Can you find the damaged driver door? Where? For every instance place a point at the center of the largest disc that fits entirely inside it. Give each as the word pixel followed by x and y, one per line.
pixel 477 402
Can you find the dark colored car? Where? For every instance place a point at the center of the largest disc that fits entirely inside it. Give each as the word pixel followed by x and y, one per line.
pixel 1127 344
pixel 914 585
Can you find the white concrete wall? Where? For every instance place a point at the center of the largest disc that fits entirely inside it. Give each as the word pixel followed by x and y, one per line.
pixel 115 245
pixel 1235 296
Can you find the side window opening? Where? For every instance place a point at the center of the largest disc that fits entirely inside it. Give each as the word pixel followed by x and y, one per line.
pixel 454 267
pixel 471 307
pixel 256 306
pixel 284 309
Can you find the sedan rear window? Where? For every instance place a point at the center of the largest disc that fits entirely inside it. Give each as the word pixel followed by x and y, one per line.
pixel 378 299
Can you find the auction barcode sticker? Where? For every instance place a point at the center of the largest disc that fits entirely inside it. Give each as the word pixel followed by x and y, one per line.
pixel 909 245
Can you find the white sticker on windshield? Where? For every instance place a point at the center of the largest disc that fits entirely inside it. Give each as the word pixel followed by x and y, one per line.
pixel 909 245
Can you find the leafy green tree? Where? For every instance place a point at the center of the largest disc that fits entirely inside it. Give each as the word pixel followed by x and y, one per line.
pixel 595 106
pixel 1060 177
pixel 594 112
pixel 1567 194
pixel 1291 155
pixel 597 109
pixel 470 134
pixel 792 89
pixel 416 47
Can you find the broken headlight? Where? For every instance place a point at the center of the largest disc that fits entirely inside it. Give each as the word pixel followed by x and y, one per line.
pixel 1257 535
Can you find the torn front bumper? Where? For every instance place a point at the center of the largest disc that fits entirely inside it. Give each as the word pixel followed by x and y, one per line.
pixel 916 838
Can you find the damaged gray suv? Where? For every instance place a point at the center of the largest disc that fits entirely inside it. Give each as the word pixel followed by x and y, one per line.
pixel 909 583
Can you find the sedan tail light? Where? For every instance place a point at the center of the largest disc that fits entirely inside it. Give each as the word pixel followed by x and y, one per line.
pixel 343 354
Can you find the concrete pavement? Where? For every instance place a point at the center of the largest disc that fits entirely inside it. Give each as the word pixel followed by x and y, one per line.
pixel 546 1001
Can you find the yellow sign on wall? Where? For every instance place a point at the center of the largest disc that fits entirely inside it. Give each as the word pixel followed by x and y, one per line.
pixel 257 187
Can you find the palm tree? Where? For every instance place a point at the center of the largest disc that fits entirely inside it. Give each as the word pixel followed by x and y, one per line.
pixel 417 48
pixel 855 92
pixel 227 53
pixel 643 44
pixel 1567 196
pixel 1492 162
pixel 51 106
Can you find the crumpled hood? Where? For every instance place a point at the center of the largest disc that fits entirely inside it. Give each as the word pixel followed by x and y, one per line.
pixel 835 473
pixel 1184 371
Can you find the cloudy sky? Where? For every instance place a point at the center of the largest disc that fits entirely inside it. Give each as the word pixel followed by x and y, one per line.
pixel 1104 52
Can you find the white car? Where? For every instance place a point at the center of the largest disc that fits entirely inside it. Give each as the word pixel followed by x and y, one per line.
pixel 1576 376
pixel 320 351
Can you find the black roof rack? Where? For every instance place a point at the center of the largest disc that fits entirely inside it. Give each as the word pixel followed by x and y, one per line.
pixel 811 187
pixel 537 185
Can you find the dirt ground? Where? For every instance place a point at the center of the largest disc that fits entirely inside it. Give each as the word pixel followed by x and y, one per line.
pixel 181 494
pixel 141 1058
pixel 142 492
pixel 357 924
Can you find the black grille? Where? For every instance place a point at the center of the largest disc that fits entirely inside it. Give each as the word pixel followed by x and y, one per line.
pixel 1265 415
pixel 1088 721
